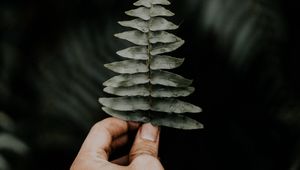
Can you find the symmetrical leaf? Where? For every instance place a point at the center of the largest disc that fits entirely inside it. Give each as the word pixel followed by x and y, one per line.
pixel 137 52
pixel 147 93
pixel 169 79
pixel 128 67
pixel 149 3
pixel 165 62
pixel 161 24
pixel 126 80
pixel 156 91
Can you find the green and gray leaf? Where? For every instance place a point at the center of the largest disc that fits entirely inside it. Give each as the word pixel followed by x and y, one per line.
pixel 147 93
pixel 137 53
pixel 128 67
pixel 149 3
pixel 165 62
pixel 126 80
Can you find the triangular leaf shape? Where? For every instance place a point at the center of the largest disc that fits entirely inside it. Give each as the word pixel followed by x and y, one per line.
pixel 139 90
pixel 138 24
pixel 173 106
pixel 162 91
pixel 175 121
pixel 135 37
pixel 147 13
pixel 169 79
pixel 149 3
pixel 166 48
pixel 162 37
pixel 126 103
pixel 157 10
pixel 128 67
pixel 161 24
pixel 141 12
pixel 157 119
pixel 126 80
pixel 165 62
pixel 137 53
pixel 136 116
pixel 156 91
pixel 145 92
pixel 142 103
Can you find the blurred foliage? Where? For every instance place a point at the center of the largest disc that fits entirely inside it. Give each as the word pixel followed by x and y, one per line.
pixel 246 75
pixel 12 149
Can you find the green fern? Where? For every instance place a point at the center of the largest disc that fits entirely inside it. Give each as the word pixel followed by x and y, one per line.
pixel 147 92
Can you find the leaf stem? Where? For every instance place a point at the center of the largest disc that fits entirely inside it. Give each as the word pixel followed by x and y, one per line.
pixel 149 49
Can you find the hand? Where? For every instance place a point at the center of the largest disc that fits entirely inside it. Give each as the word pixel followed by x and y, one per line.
pixel 110 134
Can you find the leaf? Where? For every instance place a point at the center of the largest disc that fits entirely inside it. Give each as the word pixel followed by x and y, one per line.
pixel 169 79
pixel 165 62
pixel 126 80
pixel 138 24
pixel 141 12
pixel 156 91
pixel 147 13
pixel 157 10
pixel 6 123
pixel 161 24
pixel 137 52
pixel 140 90
pixel 126 103
pixel 128 67
pixel 162 37
pixel 171 105
pixel 135 37
pixel 161 91
pixel 149 3
pixel 175 121
pixel 143 103
pixel 166 48
pixel 147 93
pixel 136 116
pixel 158 119
pixel 4 164
pixel 11 143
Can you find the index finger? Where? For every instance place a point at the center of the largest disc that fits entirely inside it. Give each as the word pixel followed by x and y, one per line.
pixel 99 140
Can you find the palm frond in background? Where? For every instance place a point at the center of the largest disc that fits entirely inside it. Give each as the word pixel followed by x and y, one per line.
pixel 12 149
pixel 244 28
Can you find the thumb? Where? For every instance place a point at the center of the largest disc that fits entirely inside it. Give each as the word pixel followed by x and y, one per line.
pixel 146 142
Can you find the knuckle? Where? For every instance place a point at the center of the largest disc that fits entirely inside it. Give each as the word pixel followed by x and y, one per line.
pixel 143 149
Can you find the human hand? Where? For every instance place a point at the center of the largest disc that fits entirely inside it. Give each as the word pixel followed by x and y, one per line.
pixel 112 133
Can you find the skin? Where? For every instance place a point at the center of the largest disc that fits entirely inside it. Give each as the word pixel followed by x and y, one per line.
pixel 112 133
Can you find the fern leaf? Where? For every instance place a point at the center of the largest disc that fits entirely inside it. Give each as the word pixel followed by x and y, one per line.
pixel 149 3
pixel 138 24
pixel 169 79
pixel 175 121
pixel 162 37
pixel 137 52
pixel 161 24
pixel 139 90
pixel 157 91
pixel 166 48
pixel 135 37
pixel 128 67
pixel 146 92
pixel 165 62
pixel 162 91
pixel 157 118
pixel 126 80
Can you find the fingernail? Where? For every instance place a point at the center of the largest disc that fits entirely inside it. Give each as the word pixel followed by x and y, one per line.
pixel 149 132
